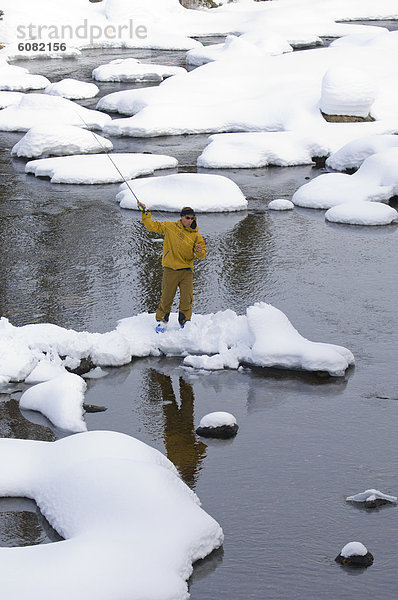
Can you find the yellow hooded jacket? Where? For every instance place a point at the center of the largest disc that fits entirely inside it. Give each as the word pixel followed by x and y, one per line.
pixel 179 243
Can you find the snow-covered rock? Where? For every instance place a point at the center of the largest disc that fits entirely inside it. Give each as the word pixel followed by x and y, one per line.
pixel 73 89
pixel 206 193
pixel 60 399
pixel 131 69
pixel 280 204
pixel 355 554
pixel 218 425
pixel 372 498
pixel 98 168
pixel 362 213
pixel 36 110
pixel 375 181
pixel 59 140
pixel 112 498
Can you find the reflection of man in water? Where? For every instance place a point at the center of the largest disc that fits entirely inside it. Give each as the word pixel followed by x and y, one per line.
pixel 183 448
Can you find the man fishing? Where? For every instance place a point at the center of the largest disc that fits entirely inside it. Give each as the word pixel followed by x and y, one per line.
pixel 182 243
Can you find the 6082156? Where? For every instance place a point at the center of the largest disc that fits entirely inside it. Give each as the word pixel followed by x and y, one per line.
pixel 42 46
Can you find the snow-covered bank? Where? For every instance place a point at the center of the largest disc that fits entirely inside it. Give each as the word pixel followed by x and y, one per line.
pixel 263 337
pixel 126 516
pixel 252 95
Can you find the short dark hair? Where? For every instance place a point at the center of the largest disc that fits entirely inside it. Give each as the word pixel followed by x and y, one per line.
pixel 187 210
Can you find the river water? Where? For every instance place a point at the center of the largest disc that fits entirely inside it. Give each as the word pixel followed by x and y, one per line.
pixel 71 256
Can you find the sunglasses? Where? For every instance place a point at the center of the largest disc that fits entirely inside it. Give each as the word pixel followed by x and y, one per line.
pixel 189 218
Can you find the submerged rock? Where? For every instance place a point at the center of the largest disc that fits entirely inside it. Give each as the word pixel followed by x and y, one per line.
pixel 355 554
pixel 218 425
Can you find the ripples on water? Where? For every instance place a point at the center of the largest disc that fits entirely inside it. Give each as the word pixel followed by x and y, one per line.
pixel 72 257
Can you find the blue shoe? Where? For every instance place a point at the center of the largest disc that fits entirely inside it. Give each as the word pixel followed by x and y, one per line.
pixel 182 325
pixel 160 328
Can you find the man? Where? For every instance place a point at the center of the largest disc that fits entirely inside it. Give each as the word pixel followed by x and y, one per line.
pixel 182 243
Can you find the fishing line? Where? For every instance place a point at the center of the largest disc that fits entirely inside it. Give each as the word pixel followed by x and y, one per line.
pixel 118 170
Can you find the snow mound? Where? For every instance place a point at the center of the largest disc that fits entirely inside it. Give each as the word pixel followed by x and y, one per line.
pixel 59 140
pixel 352 155
pixel 60 399
pixel 98 168
pixel 354 549
pixel 118 503
pixel 18 79
pixel 362 213
pixel 41 109
pixel 375 181
pixel 347 91
pixel 131 69
pixel 263 337
pixel 72 89
pixel 280 204
pixel 206 193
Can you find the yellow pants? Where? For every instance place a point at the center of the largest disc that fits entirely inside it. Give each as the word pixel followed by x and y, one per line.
pixel 173 279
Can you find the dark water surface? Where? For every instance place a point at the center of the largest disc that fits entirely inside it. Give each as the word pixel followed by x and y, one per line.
pixel 71 256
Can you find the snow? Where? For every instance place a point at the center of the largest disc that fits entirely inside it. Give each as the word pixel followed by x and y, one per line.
pixel 60 399
pixel 59 140
pixel 131 69
pixel 347 91
pixel 10 98
pixel 206 193
pixel 98 168
pixel 18 79
pixel 280 204
pixel 354 549
pixel 362 213
pixel 46 369
pixel 370 495
pixel 217 419
pixel 112 498
pixel 72 89
pixel 263 337
pixel 352 155
pixel 282 148
pixel 35 110
pixel 251 95
pixel 236 47
pixel 375 181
